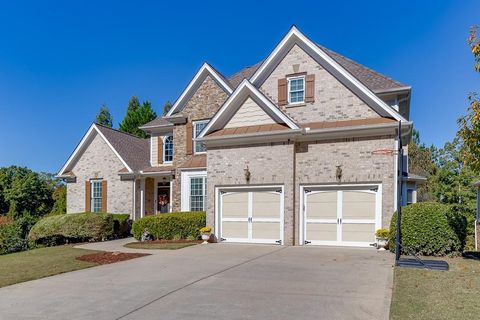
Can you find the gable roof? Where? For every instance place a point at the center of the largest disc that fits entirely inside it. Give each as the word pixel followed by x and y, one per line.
pixel 132 151
pixel 204 71
pixel 230 107
pixel 372 79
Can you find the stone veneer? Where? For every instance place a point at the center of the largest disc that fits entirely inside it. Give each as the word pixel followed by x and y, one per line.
pixel 315 164
pixel 204 103
pixel 99 161
pixel 333 101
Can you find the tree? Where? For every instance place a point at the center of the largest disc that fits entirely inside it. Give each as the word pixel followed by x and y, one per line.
pixel 166 107
pixel 25 192
pixel 104 117
pixel 469 131
pixel 136 116
pixel 60 198
pixel 421 163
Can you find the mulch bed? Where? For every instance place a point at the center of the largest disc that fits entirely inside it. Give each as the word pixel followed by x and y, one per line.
pixel 110 257
pixel 170 241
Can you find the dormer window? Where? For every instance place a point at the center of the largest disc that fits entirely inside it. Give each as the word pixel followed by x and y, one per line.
pixel 296 90
pixel 168 149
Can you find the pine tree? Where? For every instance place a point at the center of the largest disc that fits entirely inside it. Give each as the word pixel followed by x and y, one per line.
pixel 136 116
pixel 166 107
pixel 104 117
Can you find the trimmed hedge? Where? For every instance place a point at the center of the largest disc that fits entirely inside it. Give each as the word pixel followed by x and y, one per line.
pixel 427 229
pixel 76 227
pixel 11 239
pixel 179 225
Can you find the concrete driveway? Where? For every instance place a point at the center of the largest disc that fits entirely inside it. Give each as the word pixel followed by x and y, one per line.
pixel 215 281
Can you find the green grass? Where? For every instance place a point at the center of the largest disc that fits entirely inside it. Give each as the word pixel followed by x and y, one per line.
pixel 428 294
pixel 159 246
pixel 40 263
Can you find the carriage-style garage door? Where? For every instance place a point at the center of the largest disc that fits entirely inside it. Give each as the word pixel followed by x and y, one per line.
pixel 251 215
pixel 346 217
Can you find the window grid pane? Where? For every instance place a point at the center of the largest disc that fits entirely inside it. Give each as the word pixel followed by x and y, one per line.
pixel 197 193
pixel 297 91
pixel 96 196
pixel 168 149
pixel 198 127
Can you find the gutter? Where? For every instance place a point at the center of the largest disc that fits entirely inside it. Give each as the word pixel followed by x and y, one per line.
pixel 393 90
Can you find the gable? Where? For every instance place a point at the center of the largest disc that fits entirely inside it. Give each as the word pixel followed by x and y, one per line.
pixel 205 101
pixel 206 71
pixel 295 37
pixel 249 114
pixel 333 101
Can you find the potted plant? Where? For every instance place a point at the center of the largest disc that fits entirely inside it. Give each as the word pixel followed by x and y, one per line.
pixel 382 238
pixel 205 232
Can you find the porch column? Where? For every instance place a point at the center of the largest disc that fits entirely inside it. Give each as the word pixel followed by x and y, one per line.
pixel 142 197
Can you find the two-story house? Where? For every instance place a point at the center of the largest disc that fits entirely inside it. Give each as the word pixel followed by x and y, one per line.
pixel 297 149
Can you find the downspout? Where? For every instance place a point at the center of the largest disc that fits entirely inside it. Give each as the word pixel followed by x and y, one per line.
pixel 295 216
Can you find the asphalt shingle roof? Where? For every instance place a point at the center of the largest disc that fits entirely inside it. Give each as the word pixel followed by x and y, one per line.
pixel 373 80
pixel 133 150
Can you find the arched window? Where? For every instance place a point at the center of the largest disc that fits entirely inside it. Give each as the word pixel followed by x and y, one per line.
pixel 168 149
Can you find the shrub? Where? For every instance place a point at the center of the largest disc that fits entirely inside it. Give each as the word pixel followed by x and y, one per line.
pixel 76 227
pixel 382 233
pixel 427 229
pixel 11 239
pixel 168 226
pixel 122 225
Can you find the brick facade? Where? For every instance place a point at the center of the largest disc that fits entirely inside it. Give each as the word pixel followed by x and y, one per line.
pixel 99 161
pixel 333 101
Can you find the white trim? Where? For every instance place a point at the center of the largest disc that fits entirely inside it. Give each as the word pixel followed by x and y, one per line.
pixel 205 69
pixel 81 144
pixel 247 87
pixel 288 90
pixel 340 189
pixel 249 190
pixel 185 190
pixel 296 35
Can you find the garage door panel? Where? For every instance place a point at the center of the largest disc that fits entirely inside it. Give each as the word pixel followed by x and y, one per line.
pixel 364 232
pixel 266 230
pixel 234 229
pixel 358 205
pixel 322 205
pixel 321 231
pixel 235 205
pixel 265 205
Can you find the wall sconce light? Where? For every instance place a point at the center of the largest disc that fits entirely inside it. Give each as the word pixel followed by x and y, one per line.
pixel 247 174
pixel 338 173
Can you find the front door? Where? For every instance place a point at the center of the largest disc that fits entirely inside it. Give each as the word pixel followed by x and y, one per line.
pixel 163 197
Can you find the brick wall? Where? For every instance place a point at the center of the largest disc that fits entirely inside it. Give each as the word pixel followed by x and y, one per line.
pixel 99 161
pixel 204 103
pixel 333 101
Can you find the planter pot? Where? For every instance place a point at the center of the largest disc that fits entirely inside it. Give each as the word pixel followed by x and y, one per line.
pixel 382 243
pixel 205 237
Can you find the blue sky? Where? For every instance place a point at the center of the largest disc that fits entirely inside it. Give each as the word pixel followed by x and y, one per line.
pixel 59 61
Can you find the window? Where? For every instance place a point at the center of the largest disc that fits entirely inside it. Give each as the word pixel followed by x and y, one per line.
pixel 409 196
pixel 296 90
pixel 198 193
pixel 96 196
pixel 168 149
pixel 197 128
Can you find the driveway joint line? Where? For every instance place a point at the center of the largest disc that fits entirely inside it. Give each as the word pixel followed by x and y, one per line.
pixel 197 281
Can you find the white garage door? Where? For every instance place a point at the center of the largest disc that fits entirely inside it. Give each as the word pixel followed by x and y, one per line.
pixel 251 215
pixel 346 217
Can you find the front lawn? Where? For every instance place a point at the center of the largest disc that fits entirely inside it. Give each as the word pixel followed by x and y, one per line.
pixel 428 294
pixel 40 263
pixel 161 244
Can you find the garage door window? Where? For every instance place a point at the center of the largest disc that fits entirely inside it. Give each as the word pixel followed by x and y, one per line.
pixel 197 193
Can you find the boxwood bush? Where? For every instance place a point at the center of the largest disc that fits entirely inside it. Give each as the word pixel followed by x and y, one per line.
pixel 427 229
pixel 76 227
pixel 178 225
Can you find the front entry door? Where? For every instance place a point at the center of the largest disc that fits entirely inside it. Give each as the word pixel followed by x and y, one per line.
pixel 163 197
